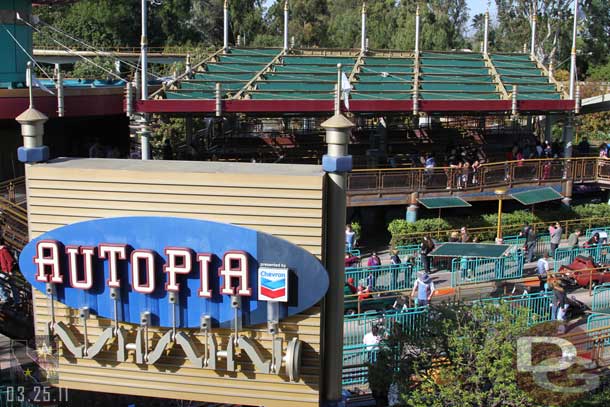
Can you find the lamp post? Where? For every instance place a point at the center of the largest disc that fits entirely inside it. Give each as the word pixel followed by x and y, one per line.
pixel 500 192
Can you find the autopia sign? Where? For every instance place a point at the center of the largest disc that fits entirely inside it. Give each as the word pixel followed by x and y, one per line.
pixel 121 267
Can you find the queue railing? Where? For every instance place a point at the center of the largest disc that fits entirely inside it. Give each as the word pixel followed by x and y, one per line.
pixel 565 255
pixel 387 277
pixel 475 270
pixel 601 298
pixel 543 243
pixel 357 355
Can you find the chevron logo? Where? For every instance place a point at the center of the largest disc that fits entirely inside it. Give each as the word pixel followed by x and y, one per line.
pixel 273 284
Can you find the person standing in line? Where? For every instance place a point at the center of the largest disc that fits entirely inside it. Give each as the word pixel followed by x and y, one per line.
pixel 464 236
pixel 542 268
pixel 6 271
pixel 427 245
pixel 594 241
pixel 394 258
pixel 555 231
pixel 371 340
pixel 530 241
pixel 350 237
pixel 424 286
pixel 374 260
pixel 573 239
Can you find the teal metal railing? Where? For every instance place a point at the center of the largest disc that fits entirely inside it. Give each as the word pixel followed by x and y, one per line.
pixel 565 256
pixel 601 298
pixel 355 359
pixel 537 305
pixel 353 252
pixel 412 252
pixel 388 277
pixel 477 270
pixel 543 243
pixel 356 355
pixel 601 324
pixel 413 320
pixel 589 232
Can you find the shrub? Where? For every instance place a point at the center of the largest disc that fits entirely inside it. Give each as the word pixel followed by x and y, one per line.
pixel 511 223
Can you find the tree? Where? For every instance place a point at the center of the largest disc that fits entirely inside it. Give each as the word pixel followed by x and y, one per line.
pixel 596 30
pixel 553 27
pixel 442 27
pixel 308 21
pixel 463 355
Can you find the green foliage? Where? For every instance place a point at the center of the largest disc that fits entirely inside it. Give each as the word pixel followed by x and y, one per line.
pixel 463 357
pixel 596 27
pixel 357 228
pixel 86 70
pixel 400 229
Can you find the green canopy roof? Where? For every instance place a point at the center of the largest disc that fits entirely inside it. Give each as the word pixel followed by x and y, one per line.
pixel 471 250
pixel 537 196
pixel 378 75
pixel 444 202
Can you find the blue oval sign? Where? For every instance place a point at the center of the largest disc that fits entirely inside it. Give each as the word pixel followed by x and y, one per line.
pixel 179 270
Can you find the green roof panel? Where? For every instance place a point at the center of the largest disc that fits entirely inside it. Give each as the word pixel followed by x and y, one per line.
pixel 488 250
pixel 444 202
pixel 535 196
pixel 404 86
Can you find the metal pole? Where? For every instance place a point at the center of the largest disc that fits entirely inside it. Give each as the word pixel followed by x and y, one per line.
pixel 286 26
pixel 225 42
pixel 128 100
pixel 486 32
pixel 514 105
pixel 363 33
pixel 499 231
pixel 144 49
pixel 336 163
pixel 29 81
pixel 144 133
pixel 417 29
pixel 59 85
pixel 573 54
pixel 338 93
pixel 533 40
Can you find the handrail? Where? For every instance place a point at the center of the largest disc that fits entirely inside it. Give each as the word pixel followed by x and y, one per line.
pixel 8 188
pixel 19 214
pixel 542 171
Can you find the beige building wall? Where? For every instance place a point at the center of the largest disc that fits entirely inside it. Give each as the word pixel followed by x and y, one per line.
pixel 283 200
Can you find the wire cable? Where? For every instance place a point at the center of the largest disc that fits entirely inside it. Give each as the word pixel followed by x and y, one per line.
pixel 26 53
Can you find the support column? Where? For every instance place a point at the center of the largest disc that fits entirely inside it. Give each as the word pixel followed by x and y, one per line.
pixel 486 33
pixel 225 32
pixel 533 39
pixel 336 163
pixel 413 208
pixel 59 87
pixel 417 30
pixel 573 53
pixel 286 26
pixel 363 33
pixel 144 132
pixel 567 192
pixel 568 136
pixel 412 213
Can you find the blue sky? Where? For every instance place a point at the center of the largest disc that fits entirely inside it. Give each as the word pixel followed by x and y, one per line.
pixel 477 7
